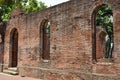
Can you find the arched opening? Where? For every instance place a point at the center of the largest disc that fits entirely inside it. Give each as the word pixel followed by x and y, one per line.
pixel 102 35
pixel 100 43
pixel 14 48
pixel 45 39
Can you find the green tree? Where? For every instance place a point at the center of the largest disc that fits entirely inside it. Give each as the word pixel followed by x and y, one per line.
pixel 104 18
pixel 32 5
pixel 6 7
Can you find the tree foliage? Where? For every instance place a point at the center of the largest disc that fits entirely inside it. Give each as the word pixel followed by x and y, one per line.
pixel 6 7
pixel 104 18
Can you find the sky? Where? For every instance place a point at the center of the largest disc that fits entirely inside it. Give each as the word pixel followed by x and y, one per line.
pixel 52 2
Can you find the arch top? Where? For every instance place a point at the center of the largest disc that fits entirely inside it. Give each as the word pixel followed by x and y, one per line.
pixel 44 22
pixel 14 30
pixel 97 7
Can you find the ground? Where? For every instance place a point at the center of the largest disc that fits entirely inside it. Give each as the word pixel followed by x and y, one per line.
pixel 10 77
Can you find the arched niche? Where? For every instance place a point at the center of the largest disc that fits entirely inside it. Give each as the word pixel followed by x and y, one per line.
pixel 45 39
pixel 13 48
pixel 98 39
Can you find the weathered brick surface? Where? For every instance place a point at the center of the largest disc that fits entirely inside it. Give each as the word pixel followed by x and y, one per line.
pixel 70 42
pixel 2 36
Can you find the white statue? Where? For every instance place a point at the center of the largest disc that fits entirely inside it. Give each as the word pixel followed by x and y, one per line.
pixel 109 47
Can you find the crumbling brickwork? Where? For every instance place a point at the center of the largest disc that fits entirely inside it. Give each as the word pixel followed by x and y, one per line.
pixel 2 36
pixel 71 42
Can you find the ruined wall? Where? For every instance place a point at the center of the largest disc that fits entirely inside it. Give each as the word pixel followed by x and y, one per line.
pixel 70 42
pixel 2 35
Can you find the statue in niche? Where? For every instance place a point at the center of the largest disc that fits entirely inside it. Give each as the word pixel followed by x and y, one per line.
pixel 109 47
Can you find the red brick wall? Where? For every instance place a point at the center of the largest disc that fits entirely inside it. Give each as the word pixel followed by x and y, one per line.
pixel 2 32
pixel 70 42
